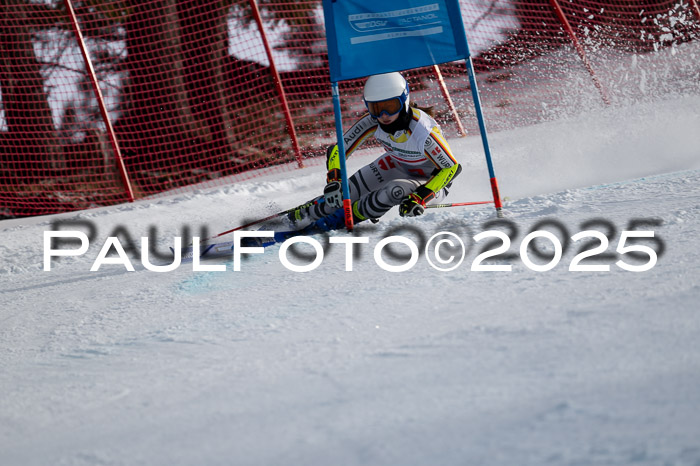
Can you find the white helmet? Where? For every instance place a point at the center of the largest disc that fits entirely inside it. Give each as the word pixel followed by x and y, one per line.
pixel 384 88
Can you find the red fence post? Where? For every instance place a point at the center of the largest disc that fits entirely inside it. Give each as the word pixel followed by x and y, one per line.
pixel 100 101
pixel 278 83
pixel 579 48
pixel 695 8
pixel 448 99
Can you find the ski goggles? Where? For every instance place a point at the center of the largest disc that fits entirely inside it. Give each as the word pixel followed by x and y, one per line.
pixel 389 107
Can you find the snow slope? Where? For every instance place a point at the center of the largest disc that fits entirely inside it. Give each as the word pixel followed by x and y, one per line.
pixel 269 366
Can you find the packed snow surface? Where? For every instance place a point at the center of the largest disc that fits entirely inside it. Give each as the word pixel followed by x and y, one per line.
pixel 271 366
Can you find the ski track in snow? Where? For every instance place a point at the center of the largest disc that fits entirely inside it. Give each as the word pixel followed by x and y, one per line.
pixel 268 366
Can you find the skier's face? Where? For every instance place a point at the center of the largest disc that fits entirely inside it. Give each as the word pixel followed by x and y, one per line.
pixel 386 119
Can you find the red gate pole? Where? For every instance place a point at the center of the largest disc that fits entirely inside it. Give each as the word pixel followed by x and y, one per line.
pixel 100 101
pixel 278 83
pixel 579 48
pixel 448 99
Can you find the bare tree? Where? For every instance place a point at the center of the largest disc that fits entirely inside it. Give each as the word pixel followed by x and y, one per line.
pixel 31 141
pixel 204 52
pixel 158 125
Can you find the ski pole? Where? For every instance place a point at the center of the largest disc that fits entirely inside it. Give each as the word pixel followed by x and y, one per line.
pixel 456 204
pixel 254 222
pixel 250 224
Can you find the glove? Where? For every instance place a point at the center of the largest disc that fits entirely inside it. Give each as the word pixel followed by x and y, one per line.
pixel 413 205
pixel 333 192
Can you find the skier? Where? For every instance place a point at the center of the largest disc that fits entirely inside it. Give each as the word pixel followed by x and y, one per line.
pixel 417 168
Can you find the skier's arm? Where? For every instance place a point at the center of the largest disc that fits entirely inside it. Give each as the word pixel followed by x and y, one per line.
pixel 362 130
pixel 358 134
pixel 438 151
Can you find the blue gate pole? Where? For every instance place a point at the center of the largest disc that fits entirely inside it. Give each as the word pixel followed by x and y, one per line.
pixel 347 202
pixel 484 136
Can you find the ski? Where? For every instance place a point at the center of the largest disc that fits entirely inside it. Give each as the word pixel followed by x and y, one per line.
pixel 209 249
pixel 224 249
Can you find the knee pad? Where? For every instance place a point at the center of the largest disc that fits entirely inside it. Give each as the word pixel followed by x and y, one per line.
pixel 397 190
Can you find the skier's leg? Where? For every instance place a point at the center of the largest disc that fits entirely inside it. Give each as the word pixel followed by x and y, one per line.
pixel 380 201
pixel 385 185
pixel 374 191
pixel 365 180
